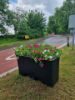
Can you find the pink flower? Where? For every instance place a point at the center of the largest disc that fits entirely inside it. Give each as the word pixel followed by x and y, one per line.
pixel 39 59
pixel 36 45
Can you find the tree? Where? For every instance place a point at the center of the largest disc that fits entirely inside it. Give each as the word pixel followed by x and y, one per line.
pixel 61 17
pixel 15 19
pixel 33 24
pixel 3 14
pixel 23 27
pixel 51 25
pixel 36 22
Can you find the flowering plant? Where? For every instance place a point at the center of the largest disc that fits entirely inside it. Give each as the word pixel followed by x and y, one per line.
pixel 38 52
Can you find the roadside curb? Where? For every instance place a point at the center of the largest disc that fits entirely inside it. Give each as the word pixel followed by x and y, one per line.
pixel 8 72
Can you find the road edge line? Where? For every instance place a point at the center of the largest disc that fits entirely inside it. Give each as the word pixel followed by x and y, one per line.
pixel 8 72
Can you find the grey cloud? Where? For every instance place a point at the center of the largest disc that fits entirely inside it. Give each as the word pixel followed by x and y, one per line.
pixel 46 6
pixel 50 5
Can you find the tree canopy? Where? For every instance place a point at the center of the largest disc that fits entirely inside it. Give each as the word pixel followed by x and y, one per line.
pixel 59 22
pixel 33 24
pixel 3 14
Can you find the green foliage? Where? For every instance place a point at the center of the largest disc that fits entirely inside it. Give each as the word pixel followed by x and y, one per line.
pixel 59 22
pixel 23 27
pixel 38 52
pixel 32 24
pixel 3 14
pixel 36 21
pixel 10 17
pixel 51 25
pixel 3 6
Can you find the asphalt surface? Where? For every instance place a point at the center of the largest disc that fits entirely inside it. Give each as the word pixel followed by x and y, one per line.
pixel 56 41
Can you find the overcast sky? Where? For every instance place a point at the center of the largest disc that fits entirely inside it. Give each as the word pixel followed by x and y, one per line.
pixel 46 6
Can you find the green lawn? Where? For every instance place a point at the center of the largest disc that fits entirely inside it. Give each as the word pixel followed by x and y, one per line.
pixel 16 87
pixel 9 41
pixel 12 42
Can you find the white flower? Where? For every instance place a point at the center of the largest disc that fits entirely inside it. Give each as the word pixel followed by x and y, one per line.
pixel 57 54
pixel 21 46
pixel 46 51
pixel 50 57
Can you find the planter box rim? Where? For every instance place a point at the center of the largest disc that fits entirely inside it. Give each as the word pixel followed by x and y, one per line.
pixel 41 60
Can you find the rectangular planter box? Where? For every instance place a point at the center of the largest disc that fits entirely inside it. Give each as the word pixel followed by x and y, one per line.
pixel 47 71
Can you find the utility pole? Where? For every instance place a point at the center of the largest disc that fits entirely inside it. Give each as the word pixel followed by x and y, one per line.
pixel 68 41
pixel 73 40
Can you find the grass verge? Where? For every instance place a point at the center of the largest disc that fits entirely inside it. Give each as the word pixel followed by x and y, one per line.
pixel 12 42
pixel 9 43
pixel 16 87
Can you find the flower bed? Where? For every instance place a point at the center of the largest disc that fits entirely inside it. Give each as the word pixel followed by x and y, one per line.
pixel 40 62
pixel 38 52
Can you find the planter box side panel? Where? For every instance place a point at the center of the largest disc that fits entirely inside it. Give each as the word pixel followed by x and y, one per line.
pixel 54 71
pixel 49 73
pixel 26 65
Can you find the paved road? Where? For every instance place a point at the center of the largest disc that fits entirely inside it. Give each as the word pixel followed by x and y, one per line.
pixel 57 41
pixel 8 62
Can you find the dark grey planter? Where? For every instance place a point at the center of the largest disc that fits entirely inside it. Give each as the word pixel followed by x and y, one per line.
pixel 47 71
